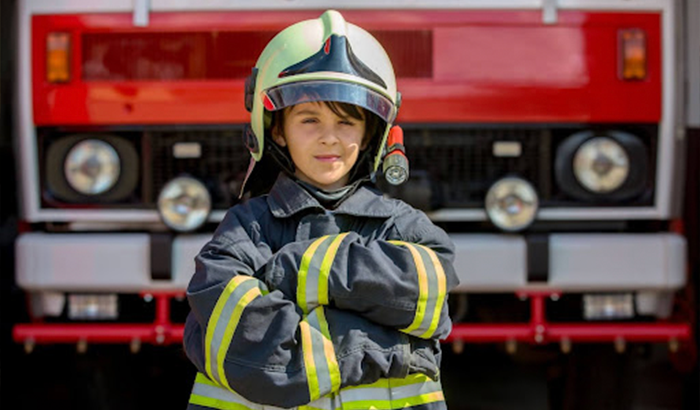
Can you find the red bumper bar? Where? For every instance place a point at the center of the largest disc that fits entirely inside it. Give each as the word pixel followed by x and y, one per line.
pixel 584 332
pixel 538 330
pixel 98 333
pixel 162 331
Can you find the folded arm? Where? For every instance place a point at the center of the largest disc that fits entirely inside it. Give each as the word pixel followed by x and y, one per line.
pixel 261 345
pixel 399 282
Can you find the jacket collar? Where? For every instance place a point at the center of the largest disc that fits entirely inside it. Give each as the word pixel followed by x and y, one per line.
pixel 287 198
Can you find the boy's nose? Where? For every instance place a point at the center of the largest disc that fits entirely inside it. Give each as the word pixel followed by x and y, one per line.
pixel 329 135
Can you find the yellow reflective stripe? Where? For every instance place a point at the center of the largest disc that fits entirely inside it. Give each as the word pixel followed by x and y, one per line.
pixel 442 290
pixel 416 378
pixel 214 318
pixel 421 305
pixel 303 272
pixel 322 370
pixel 324 403
pixel 367 405
pixel 381 383
pixel 392 394
pixel 310 365
pixel 202 379
pixel 209 393
pixel 329 350
pixel 216 404
pixel 230 329
pixel 326 268
pixel 394 404
pixel 418 400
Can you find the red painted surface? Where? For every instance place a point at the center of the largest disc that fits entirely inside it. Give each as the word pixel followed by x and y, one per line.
pixel 486 67
pixel 160 332
pixel 538 330
pixel 586 332
pixel 98 333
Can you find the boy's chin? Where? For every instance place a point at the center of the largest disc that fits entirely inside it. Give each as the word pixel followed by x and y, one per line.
pixel 328 184
pixel 325 181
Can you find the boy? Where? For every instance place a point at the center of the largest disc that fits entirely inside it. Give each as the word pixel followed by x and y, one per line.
pixel 321 294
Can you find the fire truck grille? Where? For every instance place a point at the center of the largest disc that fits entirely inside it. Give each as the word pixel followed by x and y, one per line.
pixel 460 165
pixel 451 166
pixel 221 164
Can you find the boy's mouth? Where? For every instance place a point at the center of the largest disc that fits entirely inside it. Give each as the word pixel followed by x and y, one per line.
pixel 327 158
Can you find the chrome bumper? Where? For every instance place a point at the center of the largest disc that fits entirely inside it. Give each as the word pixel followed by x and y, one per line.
pixel 116 262
pixel 100 262
pixel 577 262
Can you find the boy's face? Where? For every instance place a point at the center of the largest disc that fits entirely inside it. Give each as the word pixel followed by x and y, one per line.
pixel 323 145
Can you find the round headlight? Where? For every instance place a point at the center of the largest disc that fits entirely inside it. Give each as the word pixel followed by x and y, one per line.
pixel 601 165
pixel 184 204
pixel 92 167
pixel 511 204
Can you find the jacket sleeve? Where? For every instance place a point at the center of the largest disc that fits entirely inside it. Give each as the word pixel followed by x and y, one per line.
pixel 401 282
pixel 260 344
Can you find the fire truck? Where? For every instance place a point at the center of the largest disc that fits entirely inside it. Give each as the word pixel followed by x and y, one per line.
pixel 546 137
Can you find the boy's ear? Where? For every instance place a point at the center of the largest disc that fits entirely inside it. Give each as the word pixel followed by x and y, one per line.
pixel 278 137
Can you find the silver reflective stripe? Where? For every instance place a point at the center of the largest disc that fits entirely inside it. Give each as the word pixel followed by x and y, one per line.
pixel 391 398
pixel 324 403
pixel 207 394
pixel 223 333
pixel 431 290
pixel 412 390
pixel 316 264
pixel 222 395
pixel 323 373
pixel 312 278
pixel 321 365
pixel 365 393
pixel 304 269
pixel 432 293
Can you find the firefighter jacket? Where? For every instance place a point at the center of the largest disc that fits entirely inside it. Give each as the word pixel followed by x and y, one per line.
pixel 294 305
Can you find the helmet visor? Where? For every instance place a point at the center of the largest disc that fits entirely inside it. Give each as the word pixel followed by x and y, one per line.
pixel 290 94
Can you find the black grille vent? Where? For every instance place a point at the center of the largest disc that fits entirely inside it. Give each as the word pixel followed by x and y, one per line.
pixel 452 165
pixel 221 167
pixel 461 165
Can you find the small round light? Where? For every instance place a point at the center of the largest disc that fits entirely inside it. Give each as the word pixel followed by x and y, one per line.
pixel 511 204
pixel 92 167
pixel 601 165
pixel 184 204
pixel 396 169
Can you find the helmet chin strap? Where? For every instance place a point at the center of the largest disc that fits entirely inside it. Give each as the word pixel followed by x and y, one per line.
pixel 281 158
pixel 280 155
pixel 365 160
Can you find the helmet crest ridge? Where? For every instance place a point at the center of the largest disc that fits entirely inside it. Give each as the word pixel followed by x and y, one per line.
pixel 335 56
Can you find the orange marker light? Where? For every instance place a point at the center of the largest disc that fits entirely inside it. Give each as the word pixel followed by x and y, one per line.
pixel 58 57
pixel 633 55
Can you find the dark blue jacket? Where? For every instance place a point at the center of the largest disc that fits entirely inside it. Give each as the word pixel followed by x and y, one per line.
pixel 292 302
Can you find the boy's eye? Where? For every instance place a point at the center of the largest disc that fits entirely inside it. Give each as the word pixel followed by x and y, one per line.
pixel 347 122
pixel 308 120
